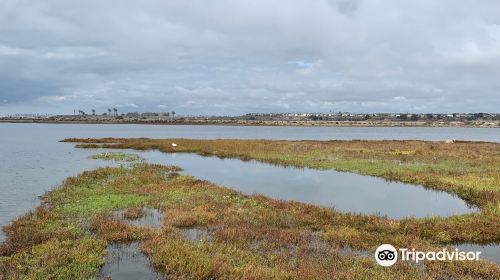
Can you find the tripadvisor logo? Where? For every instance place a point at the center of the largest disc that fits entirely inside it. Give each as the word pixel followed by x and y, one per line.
pixel 387 255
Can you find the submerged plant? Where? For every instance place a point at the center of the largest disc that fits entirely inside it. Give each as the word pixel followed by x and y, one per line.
pixel 118 157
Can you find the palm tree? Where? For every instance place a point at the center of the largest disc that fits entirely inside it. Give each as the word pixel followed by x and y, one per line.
pixel 115 111
pixel 109 111
pixel 93 112
pixel 173 114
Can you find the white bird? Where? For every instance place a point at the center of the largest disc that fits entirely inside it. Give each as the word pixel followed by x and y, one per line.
pixel 174 145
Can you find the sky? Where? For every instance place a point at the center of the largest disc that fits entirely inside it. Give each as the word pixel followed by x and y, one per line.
pixel 228 57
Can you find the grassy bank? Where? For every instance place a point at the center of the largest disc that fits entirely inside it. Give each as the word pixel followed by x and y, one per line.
pixel 248 237
pixel 470 170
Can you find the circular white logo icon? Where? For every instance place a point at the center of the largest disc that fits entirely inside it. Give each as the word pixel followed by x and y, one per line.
pixel 386 255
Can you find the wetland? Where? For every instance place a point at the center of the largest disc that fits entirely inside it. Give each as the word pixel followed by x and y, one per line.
pixel 257 209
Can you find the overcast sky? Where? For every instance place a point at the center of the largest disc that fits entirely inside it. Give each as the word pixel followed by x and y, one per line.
pixel 230 57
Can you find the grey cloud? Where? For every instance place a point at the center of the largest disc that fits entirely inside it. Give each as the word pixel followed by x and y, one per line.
pixel 232 57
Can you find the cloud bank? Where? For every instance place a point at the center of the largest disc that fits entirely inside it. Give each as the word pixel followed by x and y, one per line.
pixel 231 57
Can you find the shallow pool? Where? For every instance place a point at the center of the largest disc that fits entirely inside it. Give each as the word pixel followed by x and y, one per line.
pixel 343 191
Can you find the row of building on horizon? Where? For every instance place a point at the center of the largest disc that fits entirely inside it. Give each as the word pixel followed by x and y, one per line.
pixel 374 116
pixel 114 112
pixel 275 116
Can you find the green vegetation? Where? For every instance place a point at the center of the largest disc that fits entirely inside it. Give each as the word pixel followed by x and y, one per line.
pixel 118 157
pixel 54 259
pixel 251 236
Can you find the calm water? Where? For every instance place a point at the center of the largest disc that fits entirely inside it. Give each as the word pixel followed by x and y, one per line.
pixel 488 252
pixel 57 131
pixel 343 191
pixel 126 261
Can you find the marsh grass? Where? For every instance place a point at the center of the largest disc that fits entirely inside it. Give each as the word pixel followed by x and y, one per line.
pixel 118 157
pixel 133 213
pixel 469 170
pixel 250 236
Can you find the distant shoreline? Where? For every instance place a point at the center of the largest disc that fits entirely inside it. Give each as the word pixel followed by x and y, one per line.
pixel 476 124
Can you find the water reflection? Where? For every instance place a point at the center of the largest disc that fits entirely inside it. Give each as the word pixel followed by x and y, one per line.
pixel 127 262
pixel 344 191
pixel 197 234
pixel 151 217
